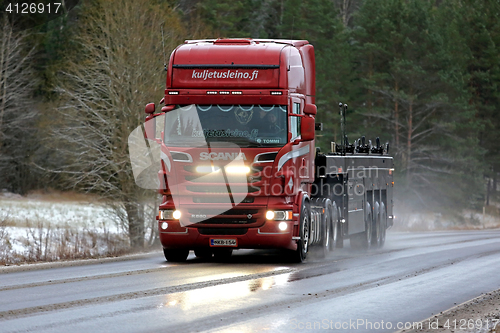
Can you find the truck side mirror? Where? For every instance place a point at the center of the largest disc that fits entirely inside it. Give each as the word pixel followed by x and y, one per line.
pixel 307 127
pixel 150 123
pixel 310 109
pixel 150 108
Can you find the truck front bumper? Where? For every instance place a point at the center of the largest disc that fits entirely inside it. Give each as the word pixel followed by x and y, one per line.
pixel 269 236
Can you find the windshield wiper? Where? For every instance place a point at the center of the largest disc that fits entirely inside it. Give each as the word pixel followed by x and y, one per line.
pixel 236 140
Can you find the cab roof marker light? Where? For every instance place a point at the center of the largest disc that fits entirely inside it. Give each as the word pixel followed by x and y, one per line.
pixel 236 92
pixel 276 93
pixel 173 93
pixel 224 92
pixel 211 92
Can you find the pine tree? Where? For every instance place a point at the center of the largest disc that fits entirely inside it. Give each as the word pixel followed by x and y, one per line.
pixel 415 90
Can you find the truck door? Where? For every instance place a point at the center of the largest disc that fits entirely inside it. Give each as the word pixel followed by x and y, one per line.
pixel 305 160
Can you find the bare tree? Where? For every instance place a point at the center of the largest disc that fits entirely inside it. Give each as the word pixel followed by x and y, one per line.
pixel 17 112
pixel 104 92
pixel 346 9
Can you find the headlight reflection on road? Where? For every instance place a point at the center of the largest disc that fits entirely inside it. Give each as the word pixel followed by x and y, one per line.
pixel 225 295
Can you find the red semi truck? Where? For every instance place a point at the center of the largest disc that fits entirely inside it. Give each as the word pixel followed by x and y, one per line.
pixel 239 167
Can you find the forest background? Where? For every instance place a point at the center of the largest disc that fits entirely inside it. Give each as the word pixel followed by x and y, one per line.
pixel 423 75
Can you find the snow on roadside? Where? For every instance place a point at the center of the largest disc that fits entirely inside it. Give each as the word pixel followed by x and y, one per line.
pixel 34 229
pixel 75 214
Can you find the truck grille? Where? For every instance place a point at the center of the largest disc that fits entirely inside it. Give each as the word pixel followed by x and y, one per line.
pixel 218 199
pixel 221 189
pixel 207 184
pixel 228 221
pixel 223 231
pixel 235 216
pixel 228 212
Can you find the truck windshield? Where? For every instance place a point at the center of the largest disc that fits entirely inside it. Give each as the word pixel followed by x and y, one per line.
pixel 244 125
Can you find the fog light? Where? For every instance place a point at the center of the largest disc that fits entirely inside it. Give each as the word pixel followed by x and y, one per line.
pixel 164 225
pixel 177 214
pixel 270 215
pixel 283 226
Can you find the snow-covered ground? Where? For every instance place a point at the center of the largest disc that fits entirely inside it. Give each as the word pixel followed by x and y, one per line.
pixel 56 227
pixel 21 212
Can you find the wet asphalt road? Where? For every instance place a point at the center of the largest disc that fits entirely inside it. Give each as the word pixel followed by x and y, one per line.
pixel 413 277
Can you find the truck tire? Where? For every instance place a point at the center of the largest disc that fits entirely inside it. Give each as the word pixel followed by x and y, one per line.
pixel 383 224
pixel 325 245
pixel 377 227
pixel 176 255
pixel 300 254
pixel 363 240
pixel 222 254
pixel 203 253
pixel 340 231
pixel 334 226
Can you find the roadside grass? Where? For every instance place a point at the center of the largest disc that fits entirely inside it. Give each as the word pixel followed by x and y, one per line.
pixel 43 242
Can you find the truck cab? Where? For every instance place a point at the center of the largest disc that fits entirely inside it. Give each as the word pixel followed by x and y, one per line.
pixel 237 145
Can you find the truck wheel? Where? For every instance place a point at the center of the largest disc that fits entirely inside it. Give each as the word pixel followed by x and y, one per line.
pixel 363 239
pixel 203 253
pixel 222 254
pixel 340 231
pixel 300 254
pixel 334 226
pixel 176 255
pixel 383 225
pixel 377 228
pixel 327 235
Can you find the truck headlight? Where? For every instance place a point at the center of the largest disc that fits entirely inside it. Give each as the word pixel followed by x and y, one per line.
pixel 270 215
pixel 169 214
pixel 279 215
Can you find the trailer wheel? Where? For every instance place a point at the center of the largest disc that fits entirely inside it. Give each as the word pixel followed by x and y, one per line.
pixel 176 255
pixel 363 239
pixel 377 230
pixel 327 233
pixel 334 226
pixel 383 225
pixel 340 231
pixel 300 254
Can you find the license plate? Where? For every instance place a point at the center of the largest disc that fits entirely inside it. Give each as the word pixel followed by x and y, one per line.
pixel 222 242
